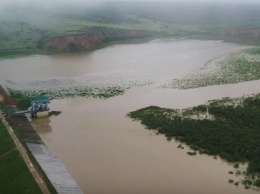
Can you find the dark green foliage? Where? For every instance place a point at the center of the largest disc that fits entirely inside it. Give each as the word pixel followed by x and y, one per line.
pixel 192 153
pixel 15 177
pixel 24 104
pixel 75 48
pixel 247 183
pixel 257 183
pixel 16 94
pixel 24 101
pixel 200 108
pixel 254 165
pixel 234 134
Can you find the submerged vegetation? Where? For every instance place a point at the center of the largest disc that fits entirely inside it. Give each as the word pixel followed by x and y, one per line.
pixel 24 96
pixel 229 128
pixel 66 88
pixel 233 68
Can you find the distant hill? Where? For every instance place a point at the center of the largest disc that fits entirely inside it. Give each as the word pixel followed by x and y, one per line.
pixel 28 29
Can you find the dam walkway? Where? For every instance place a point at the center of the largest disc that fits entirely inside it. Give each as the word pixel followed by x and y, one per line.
pixel 54 169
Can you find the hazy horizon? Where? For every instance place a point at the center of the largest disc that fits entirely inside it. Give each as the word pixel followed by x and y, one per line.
pixel 6 2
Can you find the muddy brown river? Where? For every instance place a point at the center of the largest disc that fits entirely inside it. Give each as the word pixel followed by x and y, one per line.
pixel 107 152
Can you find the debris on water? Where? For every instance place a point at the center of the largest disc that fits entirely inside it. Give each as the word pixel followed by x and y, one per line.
pixel 55 113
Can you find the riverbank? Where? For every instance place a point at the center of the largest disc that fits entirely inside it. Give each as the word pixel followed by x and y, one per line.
pixel 15 176
pixel 100 37
pixel 19 173
pixel 89 27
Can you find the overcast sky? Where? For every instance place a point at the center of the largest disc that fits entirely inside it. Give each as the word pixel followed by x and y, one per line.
pixel 74 1
pixel 3 3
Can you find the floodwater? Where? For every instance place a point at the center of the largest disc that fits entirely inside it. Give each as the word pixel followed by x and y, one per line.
pixel 107 152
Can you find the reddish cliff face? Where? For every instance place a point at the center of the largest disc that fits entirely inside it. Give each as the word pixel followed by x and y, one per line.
pixel 90 40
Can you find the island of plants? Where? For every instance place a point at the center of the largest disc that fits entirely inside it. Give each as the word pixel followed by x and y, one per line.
pixel 228 128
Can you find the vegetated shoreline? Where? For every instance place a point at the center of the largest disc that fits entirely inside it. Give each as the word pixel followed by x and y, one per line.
pixel 75 28
pixel 100 37
pixel 228 128
pixel 94 38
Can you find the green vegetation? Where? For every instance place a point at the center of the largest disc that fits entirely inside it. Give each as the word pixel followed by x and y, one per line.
pixel 14 175
pixel 59 88
pixel 25 28
pixel 254 51
pixel 23 101
pixel 24 32
pixel 192 153
pixel 6 142
pixel 229 128
pixel 234 68
pixel 24 97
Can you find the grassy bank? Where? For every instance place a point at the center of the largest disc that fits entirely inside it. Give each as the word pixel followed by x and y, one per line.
pixel 6 142
pixel 228 128
pixel 23 32
pixel 21 137
pixel 15 177
pixel 24 27
pixel 15 53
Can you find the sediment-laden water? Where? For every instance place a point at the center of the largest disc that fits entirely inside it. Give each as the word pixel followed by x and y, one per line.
pixel 107 152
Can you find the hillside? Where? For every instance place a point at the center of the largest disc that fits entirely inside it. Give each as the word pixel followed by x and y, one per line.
pixel 26 29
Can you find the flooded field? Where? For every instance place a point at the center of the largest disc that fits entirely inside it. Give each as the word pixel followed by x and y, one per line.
pixel 107 152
